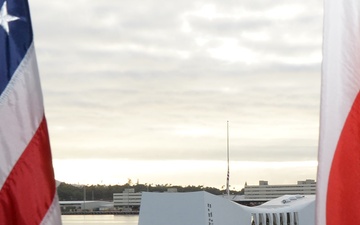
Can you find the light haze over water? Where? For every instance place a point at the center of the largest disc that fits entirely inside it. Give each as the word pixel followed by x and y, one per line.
pixel 99 219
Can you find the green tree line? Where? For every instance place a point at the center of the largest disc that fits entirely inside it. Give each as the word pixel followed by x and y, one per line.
pixel 70 192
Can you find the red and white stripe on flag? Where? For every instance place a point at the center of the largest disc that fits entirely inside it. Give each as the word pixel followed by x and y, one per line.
pixel 27 185
pixel 338 179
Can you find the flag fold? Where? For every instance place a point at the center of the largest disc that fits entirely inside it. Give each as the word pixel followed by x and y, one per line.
pixel 338 179
pixel 27 185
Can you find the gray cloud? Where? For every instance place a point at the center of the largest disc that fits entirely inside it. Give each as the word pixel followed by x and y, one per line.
pixel 149 80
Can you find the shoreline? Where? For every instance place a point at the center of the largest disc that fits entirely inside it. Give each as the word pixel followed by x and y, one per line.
pixel 101 213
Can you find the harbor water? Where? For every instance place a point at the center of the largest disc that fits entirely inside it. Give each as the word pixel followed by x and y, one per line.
pixel 100 219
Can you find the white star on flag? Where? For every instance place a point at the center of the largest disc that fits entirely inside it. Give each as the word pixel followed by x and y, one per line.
pixel 5 18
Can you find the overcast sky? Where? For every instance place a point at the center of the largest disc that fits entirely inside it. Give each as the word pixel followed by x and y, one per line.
pixel 143 89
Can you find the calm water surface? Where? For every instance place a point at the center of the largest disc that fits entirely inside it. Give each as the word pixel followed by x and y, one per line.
pixel 100 219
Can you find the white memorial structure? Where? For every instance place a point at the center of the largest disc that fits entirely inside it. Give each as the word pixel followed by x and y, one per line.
pixel 202 208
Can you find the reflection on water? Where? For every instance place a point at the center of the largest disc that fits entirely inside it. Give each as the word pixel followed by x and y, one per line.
pixel 100 219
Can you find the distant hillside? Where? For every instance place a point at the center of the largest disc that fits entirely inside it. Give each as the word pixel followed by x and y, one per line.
pixel 70 192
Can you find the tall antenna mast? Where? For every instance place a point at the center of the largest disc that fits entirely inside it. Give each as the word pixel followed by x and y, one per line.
pixel 228 163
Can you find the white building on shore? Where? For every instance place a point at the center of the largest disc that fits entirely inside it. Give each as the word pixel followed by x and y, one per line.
pixel 265 192
pixel 78 206
pixel 128 199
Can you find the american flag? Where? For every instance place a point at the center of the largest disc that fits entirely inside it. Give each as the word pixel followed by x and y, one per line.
pixel 338 181
pixel 27 185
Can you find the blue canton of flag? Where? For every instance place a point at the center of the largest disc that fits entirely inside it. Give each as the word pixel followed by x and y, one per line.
pixel 15 37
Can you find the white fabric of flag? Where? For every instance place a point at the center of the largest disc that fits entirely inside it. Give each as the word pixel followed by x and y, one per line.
pixel 338 180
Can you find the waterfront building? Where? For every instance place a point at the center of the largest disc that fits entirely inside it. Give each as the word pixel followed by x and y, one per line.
pixel 265 192
pixel 129 199
pixel 80 206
